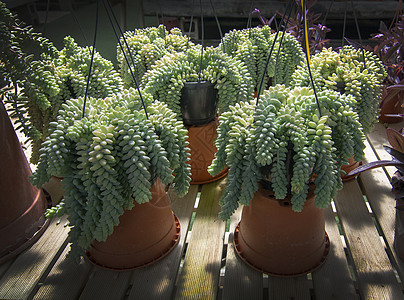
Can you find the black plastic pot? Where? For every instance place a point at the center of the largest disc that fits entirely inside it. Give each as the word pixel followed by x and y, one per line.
pixel 198 103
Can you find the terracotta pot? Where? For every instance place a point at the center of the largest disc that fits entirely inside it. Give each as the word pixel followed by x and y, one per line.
pixel 391 104
pixel 276 240
pixel 22 206
pixel 201 142
pixel 198 102
pixel 352 165
pixel 145 234
pixel 54 189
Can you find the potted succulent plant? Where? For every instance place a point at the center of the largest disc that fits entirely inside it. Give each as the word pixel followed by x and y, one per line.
pixel 113 159
pixel 63 75
pixel 252 47
pixel 146 46
pixel 352 72
pixel 178 74
pixel 284 159
pixel 396 150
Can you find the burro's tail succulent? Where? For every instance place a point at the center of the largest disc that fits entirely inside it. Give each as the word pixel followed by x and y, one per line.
pixel 109 158
pixel 285 142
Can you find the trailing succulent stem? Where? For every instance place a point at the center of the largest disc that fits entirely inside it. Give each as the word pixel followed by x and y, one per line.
pixel 110 158
pixel 350 73
pixel 252 46
pixel 167 78
pixel 146 46
pixel 283 140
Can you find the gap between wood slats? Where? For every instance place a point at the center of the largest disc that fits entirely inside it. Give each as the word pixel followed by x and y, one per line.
pixel 23 275
pixel 199 278
pixel 376 277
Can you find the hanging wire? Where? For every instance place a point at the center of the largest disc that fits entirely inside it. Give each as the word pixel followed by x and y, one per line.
pixel 268 58
pixel 344 25
pixel 123 50
pixel 218 24
pixel 250 15
pixel 359 34
pixel 203 33
pixel 46 17
pixel 327 12
pixel 190 24
pixel 283 34
pixel 77 21
pixel 306 36
pixel 92 59
pixel 397 14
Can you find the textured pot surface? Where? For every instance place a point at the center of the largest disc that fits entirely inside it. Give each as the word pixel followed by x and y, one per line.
pixel 352 165
pixel 145 234
pixel 393 106
pixel 201 143
pixel 198 102
pixel 276 240
pixel 22 205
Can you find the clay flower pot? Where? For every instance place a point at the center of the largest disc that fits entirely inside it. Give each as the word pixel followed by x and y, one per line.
pixel 22 206
pixel 391 105
pixel 198 102
pixel 276 240
pixel 352 165
pixel 145 234
pixel 202 148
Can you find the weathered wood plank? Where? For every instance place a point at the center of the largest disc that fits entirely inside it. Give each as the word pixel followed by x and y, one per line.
pixel 333 280
pixel 199 278
pixel 27 269
pixel 377 188
pixel 240 281
pixel 66 279
pixel 157 281
pixel 106 284
pixel 4 267
pixel 289 288
pixel 376 278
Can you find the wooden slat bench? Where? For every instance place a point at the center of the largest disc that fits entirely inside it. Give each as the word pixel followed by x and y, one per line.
pixel 361 265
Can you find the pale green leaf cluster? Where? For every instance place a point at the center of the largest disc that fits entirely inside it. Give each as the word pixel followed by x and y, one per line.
pixel 110 158
pixel 146 46
pixel 252 46
pixel 350 73
pixel 63 75
pixel 167 78
pixel 284 141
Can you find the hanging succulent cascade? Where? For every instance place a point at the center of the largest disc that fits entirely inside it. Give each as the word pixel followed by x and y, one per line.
pixel 252 46
pixel 46 83
pixel 146 47
pixel 21 68
pixel 345 72
pixel 109 158
pixel 285 142
pixel 167 78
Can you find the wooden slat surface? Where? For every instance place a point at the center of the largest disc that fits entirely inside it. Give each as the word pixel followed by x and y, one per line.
pixel 199 277
pixel 22 276
pixel 364 269
pixel 375 274
pixel 333 279
pixel 66 280
pixel 240 281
